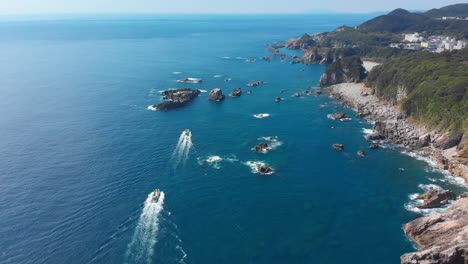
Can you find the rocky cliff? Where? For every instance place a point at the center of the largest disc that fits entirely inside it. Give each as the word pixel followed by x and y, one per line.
pixel 344 70
pixel 442 238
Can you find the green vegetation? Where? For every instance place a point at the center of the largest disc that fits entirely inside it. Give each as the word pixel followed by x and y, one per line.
pixel 347 69
pixel 435 84
pixel 400 21
pixel 457 10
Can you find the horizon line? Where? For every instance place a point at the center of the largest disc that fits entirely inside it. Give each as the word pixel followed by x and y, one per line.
pixel 199 13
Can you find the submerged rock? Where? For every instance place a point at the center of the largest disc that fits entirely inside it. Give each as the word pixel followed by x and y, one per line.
pixel 361 153
pixel 339 147
pixel 249 91
pixel 176 98
pixel 216 95
pixel 375 146
pixel 278 99
pixel 297 95
pixel 236 93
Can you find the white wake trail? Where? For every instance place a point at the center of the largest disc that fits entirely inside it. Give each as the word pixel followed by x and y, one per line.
pixel 182 150
pixel 141 248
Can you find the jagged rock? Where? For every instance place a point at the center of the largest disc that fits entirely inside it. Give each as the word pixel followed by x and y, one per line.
pixel 423 141
pixel 441 238
pixel 435 199
pixel 176 98
pixel 262 147
pixel 278 99
pixel 216 95
pixel 361 153
pixel 318 92
pixel 300 43
pixel 348 69
pixel 249 91
pixel 375 136
pixel 375 146
pixel 264 170
pixel 256 83
pixel 297 95
pixel 236 93
pixel 447 141
pixel 338 116
pixel 339 147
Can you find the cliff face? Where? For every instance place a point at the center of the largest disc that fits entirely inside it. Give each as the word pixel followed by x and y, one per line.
pixel 442 238
pixel 300 43
pixel 348 69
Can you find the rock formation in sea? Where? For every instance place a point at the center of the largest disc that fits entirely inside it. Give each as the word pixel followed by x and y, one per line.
pixel 361 153
pixel 339 147
pixel 176 98
pixel 436 199
pixel 256 83
pixel 236 93
pixel 261 147
pixel 216 95
pixel 338 116
pixel 441 238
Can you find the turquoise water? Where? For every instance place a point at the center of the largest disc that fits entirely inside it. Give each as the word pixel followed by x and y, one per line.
pixel 80 152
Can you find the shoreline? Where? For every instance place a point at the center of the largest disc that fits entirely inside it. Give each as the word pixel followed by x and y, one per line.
pixel 392 124
pixel 439 237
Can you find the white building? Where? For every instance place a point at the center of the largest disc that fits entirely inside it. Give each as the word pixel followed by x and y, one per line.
pixel 415 37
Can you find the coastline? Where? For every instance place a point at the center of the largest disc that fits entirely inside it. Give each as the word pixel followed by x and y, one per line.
pixel 392 124
pixel 440 237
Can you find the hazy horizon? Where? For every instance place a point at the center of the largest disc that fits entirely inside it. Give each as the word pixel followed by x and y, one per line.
pixel 54 7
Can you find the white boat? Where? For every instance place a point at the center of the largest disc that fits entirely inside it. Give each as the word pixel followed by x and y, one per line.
pixel 190 80
pixel 155 196
pixel 187 133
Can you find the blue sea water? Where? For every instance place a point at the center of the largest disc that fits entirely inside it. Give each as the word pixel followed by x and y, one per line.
pixel 80 152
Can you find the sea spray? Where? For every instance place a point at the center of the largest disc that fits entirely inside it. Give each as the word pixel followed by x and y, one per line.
pixel 141 248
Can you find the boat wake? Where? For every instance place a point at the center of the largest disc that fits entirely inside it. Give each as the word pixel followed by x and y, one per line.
pixel 182 150
pixel 141 248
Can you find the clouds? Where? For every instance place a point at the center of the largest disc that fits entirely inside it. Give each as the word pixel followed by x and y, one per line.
pixel 212 6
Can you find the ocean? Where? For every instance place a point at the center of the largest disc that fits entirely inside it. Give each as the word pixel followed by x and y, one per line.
pixel 80 152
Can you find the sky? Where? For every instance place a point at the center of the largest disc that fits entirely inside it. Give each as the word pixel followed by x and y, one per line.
pixel 214 6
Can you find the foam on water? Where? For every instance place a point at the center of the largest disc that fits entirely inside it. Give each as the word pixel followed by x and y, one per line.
pixel 152 108
pixel 176 72
pixel 141 248
pixel 216 161
pixel 417 156
pixel 218 76
pixel 429 187
pixel 213 161
pixel 367 131
pixel 261 115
